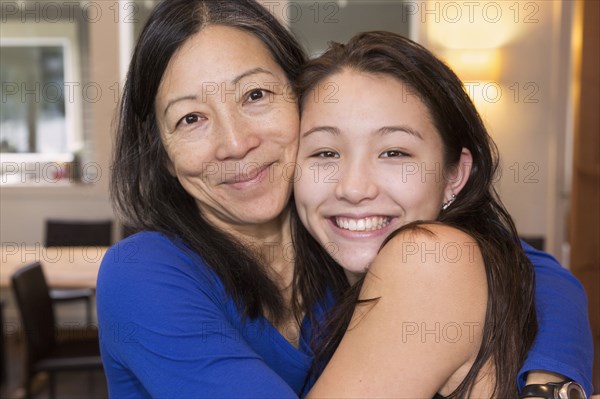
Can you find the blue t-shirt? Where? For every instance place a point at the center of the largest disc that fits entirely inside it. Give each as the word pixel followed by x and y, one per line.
pixel 169 330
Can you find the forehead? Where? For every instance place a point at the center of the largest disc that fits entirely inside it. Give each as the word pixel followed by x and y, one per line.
pixel 216 54
pixel 368 97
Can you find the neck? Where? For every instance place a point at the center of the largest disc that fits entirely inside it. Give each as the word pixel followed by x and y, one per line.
pixel 352 276
pixel 272 242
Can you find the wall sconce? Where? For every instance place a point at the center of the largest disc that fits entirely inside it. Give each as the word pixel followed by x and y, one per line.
pixel 470 36
pixel 474 64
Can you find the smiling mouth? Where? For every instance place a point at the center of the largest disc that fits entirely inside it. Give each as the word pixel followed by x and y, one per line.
pixel 247 177
pixel 363 224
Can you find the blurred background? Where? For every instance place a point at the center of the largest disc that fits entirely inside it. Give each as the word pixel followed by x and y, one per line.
pixel 530 66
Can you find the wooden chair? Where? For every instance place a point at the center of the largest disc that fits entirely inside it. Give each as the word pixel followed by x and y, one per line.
pixel 76 233
pixel 44 352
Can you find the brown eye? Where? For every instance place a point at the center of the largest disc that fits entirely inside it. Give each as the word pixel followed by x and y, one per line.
pixel 256 95
pixel 326 154
pixel 189 119
pixel 393 154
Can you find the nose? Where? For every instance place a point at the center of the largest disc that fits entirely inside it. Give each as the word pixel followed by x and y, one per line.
pixel 355 184
pixel 235 138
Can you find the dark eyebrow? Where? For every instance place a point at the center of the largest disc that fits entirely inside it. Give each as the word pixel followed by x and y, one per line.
pixel 327 129
pixel 175 100
pixel 383 131
pixel 234 81
pixel 251 72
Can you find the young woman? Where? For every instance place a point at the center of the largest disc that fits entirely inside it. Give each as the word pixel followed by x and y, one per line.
pixel 208 300
pixel 452 291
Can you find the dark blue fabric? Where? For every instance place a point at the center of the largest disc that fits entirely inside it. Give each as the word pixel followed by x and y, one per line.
pixel 168 329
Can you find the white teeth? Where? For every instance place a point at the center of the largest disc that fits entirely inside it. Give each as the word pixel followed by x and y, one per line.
pixel 360 225
pixel 352 224
pixel 364 224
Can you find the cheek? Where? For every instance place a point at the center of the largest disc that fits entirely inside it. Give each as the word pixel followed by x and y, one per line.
pixel 422 199
pixel 302 188
pixel 309 194
pixel 415 192
pixel 286 124
pixel 189 160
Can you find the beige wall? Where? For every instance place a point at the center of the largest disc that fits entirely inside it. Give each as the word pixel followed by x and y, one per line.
pixel 532 137
pixel 23 209
pixel 529 117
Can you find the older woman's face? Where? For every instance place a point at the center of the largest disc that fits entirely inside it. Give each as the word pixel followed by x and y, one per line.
pixel 229 123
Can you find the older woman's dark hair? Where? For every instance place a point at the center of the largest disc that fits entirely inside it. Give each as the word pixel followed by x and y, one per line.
pixel 148 197
pixel 510 323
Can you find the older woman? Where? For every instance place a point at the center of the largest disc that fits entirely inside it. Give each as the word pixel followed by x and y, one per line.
pixel 213 299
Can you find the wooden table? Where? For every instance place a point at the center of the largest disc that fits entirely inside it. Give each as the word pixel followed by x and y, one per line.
pixel 64 267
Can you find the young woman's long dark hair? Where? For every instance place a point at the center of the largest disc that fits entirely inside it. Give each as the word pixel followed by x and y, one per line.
pixel 147 197
pixel 510 321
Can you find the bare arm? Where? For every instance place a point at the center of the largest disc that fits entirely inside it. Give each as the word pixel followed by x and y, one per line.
pixel 425 327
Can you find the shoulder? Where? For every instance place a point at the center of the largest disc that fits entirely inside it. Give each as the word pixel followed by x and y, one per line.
pixel 432 245
pixel 150 266
pixel 547 264
pixel 149 250
pixel 430 281
pixel 432 263
pixel 540 259
pixel 143 245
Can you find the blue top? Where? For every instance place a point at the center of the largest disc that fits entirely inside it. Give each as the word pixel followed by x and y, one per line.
pixel 564 343
pixel 169 330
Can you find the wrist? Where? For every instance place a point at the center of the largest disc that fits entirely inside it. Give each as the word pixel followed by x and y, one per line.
pixel 543 377
pixel 567 389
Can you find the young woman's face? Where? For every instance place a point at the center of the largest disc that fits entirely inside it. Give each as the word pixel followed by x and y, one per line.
pixel 229 124
pixel 371 161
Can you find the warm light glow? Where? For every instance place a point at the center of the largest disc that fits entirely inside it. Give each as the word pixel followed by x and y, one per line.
pixel 474 64
pixel 492 100
pixel 468 25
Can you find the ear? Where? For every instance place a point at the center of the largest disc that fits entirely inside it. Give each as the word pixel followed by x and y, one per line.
pixel 458 175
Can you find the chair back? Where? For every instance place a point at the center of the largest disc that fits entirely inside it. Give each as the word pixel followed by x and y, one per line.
pixel 37 314
pixel 78 233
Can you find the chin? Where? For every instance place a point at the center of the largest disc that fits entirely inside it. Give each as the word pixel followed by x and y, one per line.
pixel 352 265
pixel 356 259
pixel 266 210
pixel 260 218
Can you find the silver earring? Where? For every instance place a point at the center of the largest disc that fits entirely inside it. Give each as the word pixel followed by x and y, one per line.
pixel 446 204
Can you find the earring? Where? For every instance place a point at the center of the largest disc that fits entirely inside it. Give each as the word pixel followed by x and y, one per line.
pixel 446 204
